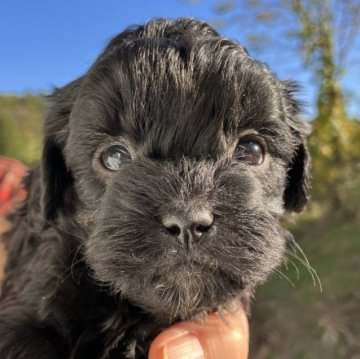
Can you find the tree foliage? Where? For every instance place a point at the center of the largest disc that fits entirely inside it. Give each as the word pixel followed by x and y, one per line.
pixel 335 143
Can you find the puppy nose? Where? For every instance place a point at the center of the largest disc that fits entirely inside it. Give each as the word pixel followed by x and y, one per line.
pixel 189 229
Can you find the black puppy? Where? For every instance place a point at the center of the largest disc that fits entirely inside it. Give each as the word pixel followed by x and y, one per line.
pixel 165 170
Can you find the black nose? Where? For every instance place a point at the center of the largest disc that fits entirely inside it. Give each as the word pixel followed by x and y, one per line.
pixel 189 229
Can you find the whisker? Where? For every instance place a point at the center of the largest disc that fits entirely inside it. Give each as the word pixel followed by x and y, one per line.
pixel 295 267
pixel 296 248
pixel 285 277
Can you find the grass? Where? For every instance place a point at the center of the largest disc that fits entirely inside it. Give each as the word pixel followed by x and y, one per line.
pixel 21 120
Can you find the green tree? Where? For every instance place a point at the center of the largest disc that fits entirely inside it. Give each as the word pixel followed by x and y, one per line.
pixel 335 142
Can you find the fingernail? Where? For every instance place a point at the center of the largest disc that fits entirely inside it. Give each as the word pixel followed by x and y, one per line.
pixel 184 347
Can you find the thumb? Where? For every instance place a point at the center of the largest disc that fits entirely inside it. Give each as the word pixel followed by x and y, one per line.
pixel 211 338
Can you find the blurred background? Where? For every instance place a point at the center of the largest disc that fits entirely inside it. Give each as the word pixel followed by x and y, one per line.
pixel 311 307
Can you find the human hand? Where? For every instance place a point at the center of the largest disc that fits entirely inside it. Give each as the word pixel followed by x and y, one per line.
pixel 210 339
pixel 11 191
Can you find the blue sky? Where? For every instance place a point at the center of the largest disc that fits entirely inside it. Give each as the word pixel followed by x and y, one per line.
pixel 47 43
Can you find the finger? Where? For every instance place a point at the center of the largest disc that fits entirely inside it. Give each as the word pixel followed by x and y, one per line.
pixel 210 339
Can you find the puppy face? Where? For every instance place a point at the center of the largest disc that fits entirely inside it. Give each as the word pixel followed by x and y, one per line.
pixel 182 153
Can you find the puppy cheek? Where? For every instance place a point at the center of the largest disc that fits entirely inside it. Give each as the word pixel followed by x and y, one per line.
pixel 248 207
pixel 253 248
pixel 119 255
pixel 274 183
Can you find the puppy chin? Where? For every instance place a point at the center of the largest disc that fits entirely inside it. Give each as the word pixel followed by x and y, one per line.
pixel 185 292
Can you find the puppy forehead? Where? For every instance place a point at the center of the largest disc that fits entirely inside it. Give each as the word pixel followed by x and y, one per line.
pixel 175 95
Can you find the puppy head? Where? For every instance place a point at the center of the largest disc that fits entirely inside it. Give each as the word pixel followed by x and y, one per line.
pixel 182 152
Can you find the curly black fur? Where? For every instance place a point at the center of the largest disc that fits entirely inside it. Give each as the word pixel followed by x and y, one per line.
pixel 92 272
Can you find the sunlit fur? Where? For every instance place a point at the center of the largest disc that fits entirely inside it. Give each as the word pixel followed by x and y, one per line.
pixel 92 272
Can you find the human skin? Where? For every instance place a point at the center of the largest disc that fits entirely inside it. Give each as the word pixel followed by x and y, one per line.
pixel 212 338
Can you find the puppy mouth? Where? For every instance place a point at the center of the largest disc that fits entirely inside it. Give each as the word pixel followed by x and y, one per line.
pixel 182 265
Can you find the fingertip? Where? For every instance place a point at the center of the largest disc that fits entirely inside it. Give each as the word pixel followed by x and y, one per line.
pixel 176 343
pixel 211 338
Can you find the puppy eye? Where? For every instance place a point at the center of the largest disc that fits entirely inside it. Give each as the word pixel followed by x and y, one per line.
pixel 250 151
pixel 114 156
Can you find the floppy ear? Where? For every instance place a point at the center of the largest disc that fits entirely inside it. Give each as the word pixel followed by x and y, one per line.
pixel 296 192
pixel 56 179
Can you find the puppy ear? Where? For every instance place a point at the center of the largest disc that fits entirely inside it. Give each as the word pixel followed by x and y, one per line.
pixel 56 179
pixel 296 192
